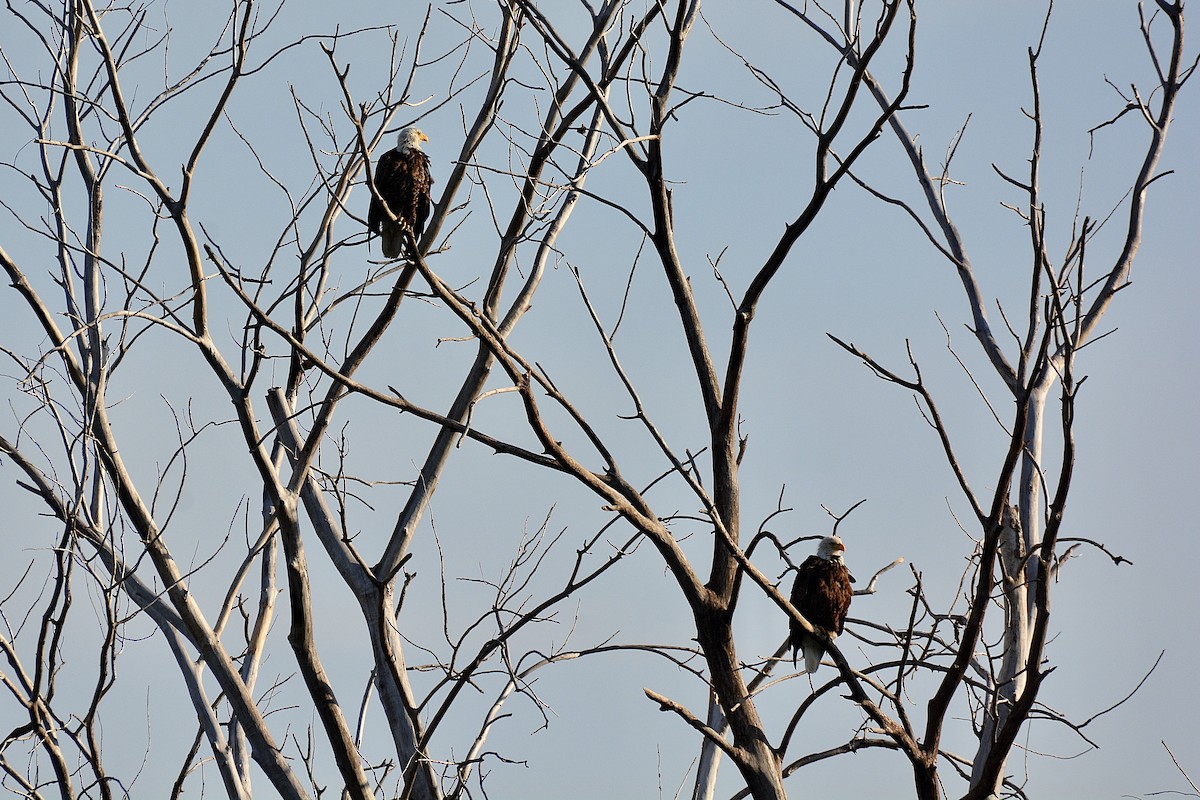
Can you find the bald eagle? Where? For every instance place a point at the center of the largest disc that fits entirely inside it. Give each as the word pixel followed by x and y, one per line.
pixel 821 594
pixel 402 179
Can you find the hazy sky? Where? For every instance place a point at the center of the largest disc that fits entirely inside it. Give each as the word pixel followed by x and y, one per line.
pixel 822 430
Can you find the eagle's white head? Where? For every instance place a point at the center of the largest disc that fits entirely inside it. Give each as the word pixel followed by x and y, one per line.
pixel 831 549
pixel 410 139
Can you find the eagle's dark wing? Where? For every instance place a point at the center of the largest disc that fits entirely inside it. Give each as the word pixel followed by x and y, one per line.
pixel 841 592
pixel 419 182
pixel 389 183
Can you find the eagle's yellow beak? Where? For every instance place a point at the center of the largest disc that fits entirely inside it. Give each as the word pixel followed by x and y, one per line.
pixel 424 138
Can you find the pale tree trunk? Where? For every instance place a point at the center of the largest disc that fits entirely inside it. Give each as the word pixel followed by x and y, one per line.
pixel 1020 575
pixel 710 755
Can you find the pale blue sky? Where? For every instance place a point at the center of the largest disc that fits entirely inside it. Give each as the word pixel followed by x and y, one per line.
pixel 818 422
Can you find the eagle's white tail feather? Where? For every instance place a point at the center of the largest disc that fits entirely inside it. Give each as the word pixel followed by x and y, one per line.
pixel 813 652
pixel 812 655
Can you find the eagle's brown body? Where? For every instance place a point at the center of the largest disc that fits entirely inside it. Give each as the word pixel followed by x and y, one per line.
pixel 402 179
pixel 821 594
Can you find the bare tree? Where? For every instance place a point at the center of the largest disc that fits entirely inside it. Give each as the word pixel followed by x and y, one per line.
pixel 1020 526
pixel 332 389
